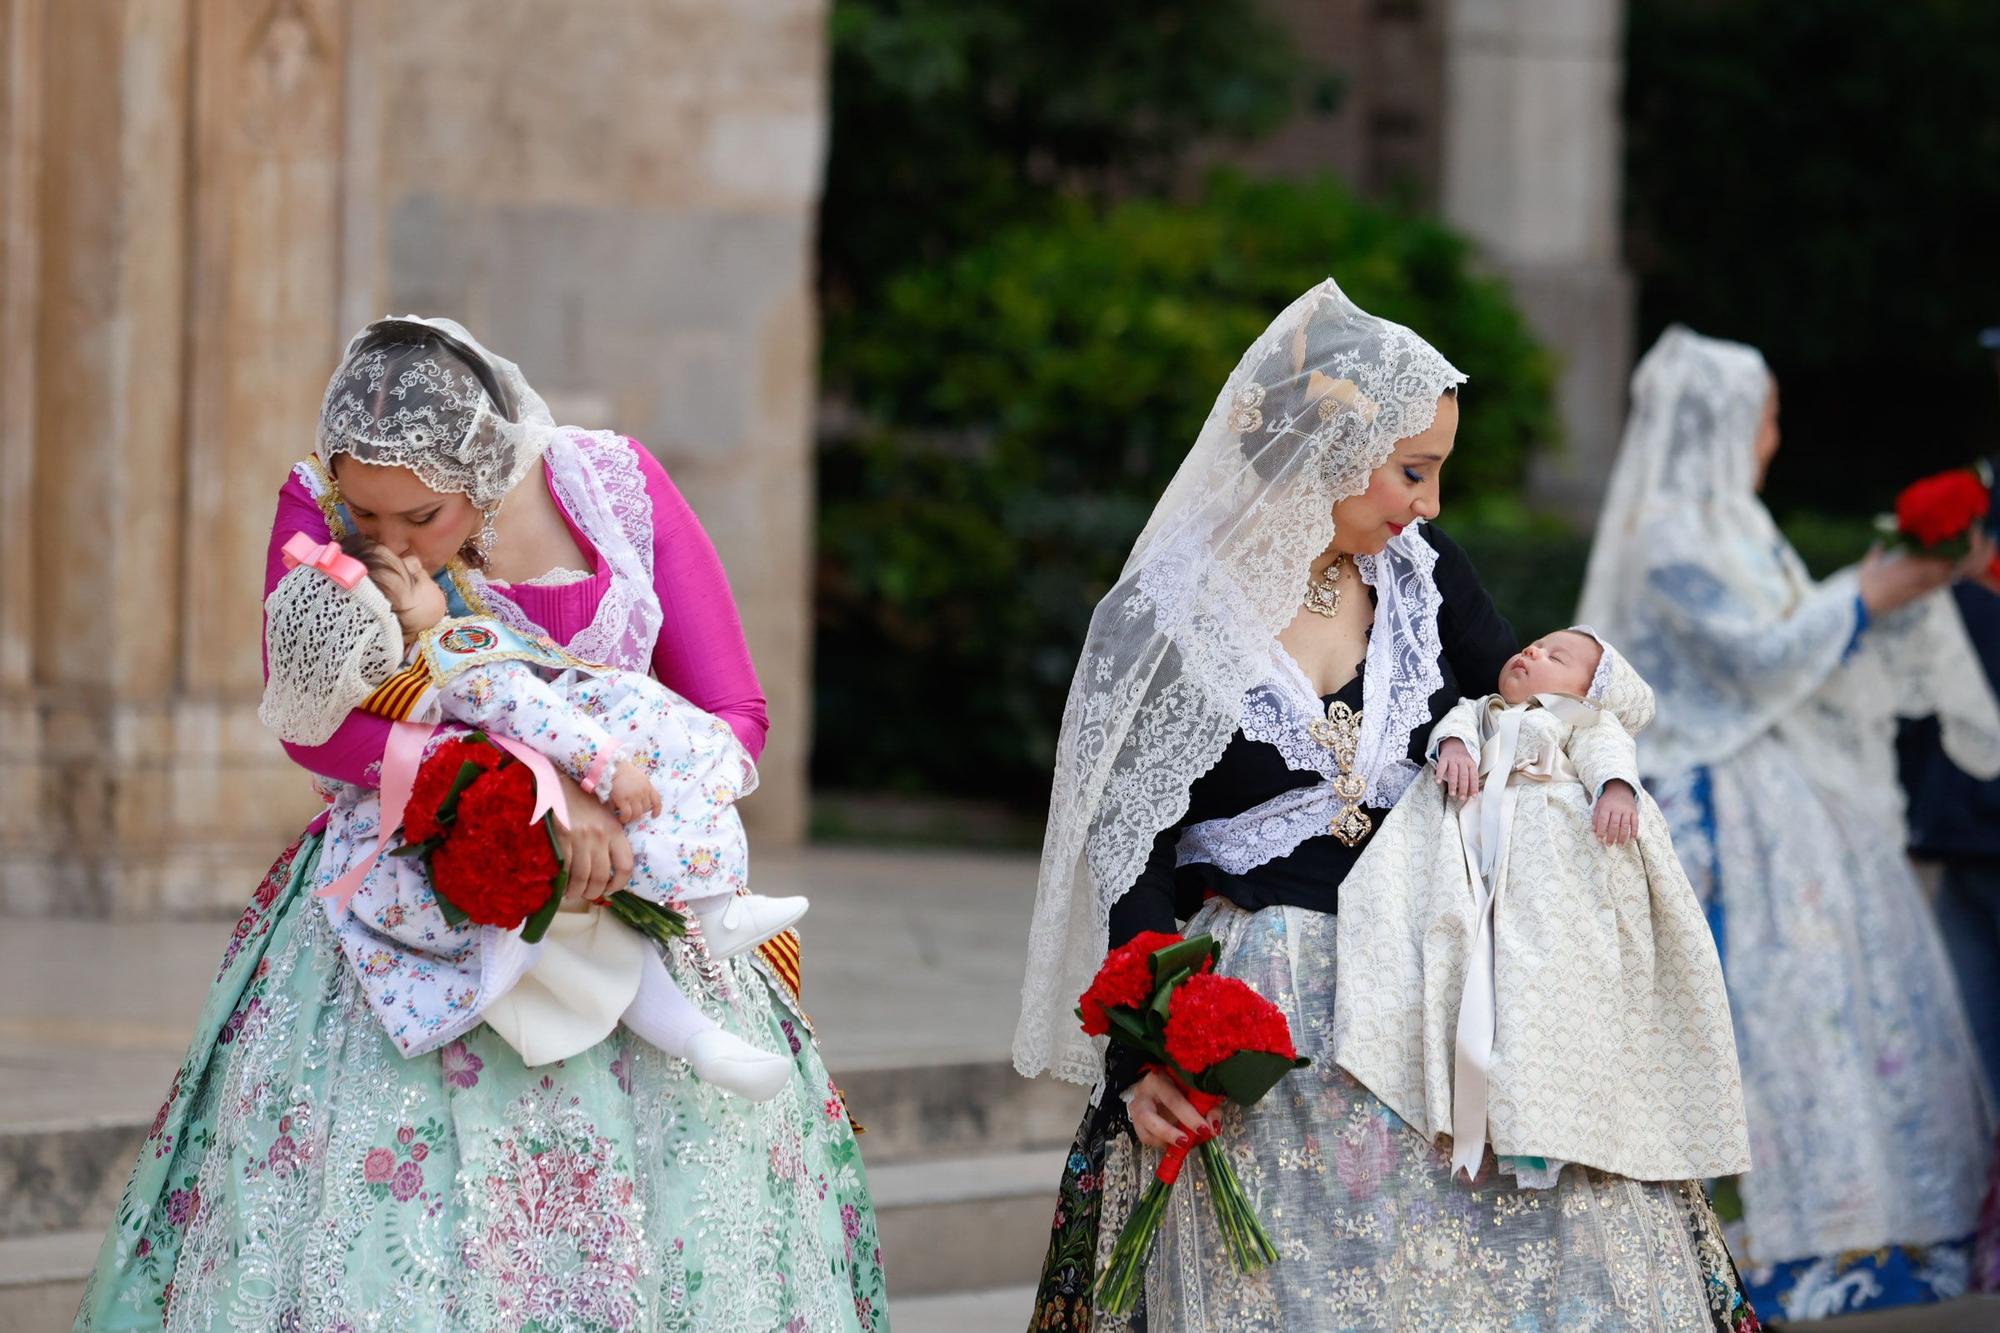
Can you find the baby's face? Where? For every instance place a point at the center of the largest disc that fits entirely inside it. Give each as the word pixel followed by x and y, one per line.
pixel 414 596
pixel 1559 663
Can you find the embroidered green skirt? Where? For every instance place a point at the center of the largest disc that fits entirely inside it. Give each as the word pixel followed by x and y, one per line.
pixel 303 1175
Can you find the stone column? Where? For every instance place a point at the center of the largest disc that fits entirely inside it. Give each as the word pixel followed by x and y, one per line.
pixel 21 41
pixel 1533 162
pixel 201 197
pixel 620 197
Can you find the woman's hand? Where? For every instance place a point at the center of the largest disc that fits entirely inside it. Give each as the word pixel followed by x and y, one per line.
pixel 1980 564
pixel 1162 1116
pixel 1457 771
pixel 1891 581
pixel 594 846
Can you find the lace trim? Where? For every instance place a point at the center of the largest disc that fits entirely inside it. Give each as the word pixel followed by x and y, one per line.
pixel 597 481
pixel 559 577
pixel 1280 713
pixel 319 484
pixel 1266 831
pixel 1404 659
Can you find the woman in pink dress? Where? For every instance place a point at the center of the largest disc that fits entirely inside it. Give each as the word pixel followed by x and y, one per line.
pixel 304 1175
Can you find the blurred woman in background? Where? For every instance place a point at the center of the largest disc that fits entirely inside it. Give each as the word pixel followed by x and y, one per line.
pixel 1773 757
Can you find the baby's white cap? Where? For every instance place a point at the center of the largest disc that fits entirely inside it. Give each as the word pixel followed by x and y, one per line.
pixel 1617 687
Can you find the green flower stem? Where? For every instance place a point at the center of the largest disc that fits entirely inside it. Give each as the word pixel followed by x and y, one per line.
pixel 1250 1246
pixel 661 924
pixel 1124 1275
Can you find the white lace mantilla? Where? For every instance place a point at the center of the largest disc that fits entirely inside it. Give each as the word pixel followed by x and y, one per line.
pixel 1313 408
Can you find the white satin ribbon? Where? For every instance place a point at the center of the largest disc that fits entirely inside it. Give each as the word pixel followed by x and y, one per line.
pixel 1485 824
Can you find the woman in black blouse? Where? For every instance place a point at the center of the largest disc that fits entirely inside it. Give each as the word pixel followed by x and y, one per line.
pixel 1255 693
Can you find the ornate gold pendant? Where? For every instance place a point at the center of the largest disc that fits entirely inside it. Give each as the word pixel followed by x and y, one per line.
pixel 1323 593
pixel 1340 732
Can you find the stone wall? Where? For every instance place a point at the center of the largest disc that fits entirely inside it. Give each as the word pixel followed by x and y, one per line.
pixel 1503 114
pixel 1533 171
pixel 202 197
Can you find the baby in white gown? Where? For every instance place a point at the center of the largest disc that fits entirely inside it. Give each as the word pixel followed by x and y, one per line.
pixel 1522 959
pixel 343 635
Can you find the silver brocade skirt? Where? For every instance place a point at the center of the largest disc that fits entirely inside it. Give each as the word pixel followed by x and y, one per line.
pixel 1373 1232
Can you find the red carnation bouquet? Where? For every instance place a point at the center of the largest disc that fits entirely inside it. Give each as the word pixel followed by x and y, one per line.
pixel 1218 1040
pixel 1936 515
pixel 491 863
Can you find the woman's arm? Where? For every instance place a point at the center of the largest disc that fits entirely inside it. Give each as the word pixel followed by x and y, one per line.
pixel 1147 905
pixel 701 653
pixel 354 752
pixel 1748 662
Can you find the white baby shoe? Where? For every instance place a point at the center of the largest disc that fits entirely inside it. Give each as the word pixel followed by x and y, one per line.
pixel 734 1065
pixel 742 921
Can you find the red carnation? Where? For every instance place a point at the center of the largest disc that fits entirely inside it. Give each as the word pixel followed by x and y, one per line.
pixel 496 866
pixel 1942 508
pixel 1212 1018
pixel 433 782
pixel 1125 981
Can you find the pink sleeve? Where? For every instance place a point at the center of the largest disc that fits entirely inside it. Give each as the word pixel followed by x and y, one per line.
pixel 701 653
pixel 354 753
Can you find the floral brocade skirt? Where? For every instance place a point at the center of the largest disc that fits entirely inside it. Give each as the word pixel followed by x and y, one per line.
pixel 1373 1232
pixel 302 1175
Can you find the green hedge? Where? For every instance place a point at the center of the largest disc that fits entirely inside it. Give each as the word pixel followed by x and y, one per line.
pixel 1021 407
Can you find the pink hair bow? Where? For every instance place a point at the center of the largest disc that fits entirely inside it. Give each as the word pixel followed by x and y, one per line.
pixel 326 557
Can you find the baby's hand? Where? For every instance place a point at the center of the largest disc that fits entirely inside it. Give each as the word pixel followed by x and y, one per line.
pixel 632 793
pixel 1617 817
pixel 1457 769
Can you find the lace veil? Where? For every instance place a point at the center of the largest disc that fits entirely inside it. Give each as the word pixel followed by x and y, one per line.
pixel 1316 404
pixel 1690 574
pixel 461 418
pixel 466 421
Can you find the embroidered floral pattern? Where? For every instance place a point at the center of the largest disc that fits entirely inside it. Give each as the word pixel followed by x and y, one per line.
pixel 305 1175
pixel 1373 1232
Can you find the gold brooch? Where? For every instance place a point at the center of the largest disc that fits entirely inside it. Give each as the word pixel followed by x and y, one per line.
pixel 1340 732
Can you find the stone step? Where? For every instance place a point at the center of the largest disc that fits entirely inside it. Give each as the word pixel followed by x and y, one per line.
pixel 41 1279
pixel 964 1223
pixel 64 1175
pixel 958 1110
pixel 1003 1311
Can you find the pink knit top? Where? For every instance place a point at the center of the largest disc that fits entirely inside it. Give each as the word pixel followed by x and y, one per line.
pixel 700 654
